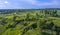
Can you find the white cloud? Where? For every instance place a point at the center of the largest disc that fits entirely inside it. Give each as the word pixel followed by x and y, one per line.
pixel 3 3
pixel 11 4
pixel 30 1
pixel 6 2
pixel 37 3
pixel 56 2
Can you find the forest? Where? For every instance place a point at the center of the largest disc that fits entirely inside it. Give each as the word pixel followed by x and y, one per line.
pixel 30 22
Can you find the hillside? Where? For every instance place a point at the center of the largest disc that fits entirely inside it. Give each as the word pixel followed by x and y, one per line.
pixel 30 22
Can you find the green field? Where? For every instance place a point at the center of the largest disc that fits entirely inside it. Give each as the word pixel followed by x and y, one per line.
pixel 38 22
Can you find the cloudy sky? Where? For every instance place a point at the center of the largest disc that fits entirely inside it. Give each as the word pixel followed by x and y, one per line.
pixel 29 4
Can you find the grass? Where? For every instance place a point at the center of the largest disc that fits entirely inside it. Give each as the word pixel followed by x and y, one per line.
pixel 20 27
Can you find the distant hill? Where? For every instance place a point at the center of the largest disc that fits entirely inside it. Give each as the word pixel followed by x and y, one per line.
pixel 8 11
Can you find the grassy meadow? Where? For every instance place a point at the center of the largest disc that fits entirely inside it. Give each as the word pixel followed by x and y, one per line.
pixel 30 22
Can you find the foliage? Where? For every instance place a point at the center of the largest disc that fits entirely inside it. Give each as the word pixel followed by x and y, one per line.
pixel 30 22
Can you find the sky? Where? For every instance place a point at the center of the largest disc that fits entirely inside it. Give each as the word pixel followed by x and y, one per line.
pixel 29 4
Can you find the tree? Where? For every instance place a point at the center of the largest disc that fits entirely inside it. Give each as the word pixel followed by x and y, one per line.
pixel 57 29
pixel 55 13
